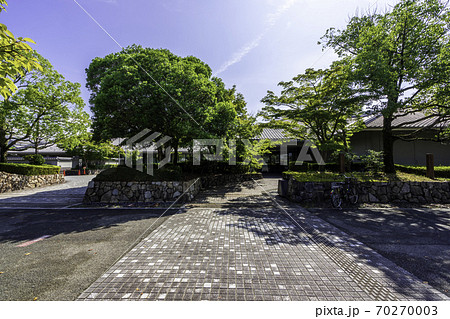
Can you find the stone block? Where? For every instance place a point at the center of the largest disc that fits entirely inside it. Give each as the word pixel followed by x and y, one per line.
pixel 373 198
pixel 106 197
pixel 405 188
pixel 416 190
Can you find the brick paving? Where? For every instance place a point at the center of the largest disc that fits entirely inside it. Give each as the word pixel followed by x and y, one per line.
pixel 235 243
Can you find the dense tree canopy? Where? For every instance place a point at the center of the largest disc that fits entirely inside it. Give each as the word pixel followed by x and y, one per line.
pixel 15 59
pixel 319 105
pixel 141 88
pixel 402 59
pixel 46 110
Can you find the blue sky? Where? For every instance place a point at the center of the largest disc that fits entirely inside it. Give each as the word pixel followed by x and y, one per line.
pixel 253 44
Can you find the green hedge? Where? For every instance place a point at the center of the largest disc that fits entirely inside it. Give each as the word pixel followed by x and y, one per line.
pixel 29 170
pixel 213 167
pixel 439 171
pixel 127 174
pixel 329 167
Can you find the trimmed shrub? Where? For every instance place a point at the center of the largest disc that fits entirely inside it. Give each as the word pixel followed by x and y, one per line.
pixel 213 167
pixel 29 170
pixel 127 174
pixel 313 167
pixel 373 162
pixel 35 159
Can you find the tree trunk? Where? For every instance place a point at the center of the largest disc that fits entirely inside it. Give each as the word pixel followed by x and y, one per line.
pixel 3 147
pixel 175 155
pixel 344 139
pixel 3 154
pixel 388 145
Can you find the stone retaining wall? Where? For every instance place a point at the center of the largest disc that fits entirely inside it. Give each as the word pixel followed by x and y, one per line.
pixel 147 192
pixel 13 182
pixel 373 192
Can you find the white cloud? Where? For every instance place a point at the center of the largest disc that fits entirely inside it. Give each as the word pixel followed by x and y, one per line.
pixel 271 20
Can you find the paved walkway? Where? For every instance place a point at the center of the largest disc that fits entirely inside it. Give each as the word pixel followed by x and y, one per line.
pixel 235 243
pixel 55 196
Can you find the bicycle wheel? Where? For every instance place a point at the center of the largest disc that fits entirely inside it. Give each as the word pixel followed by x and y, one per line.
pixel 353 196
pixel 336 199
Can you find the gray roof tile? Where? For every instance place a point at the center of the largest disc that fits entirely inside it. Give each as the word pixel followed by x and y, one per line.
pixel 272 134
pixel 418 119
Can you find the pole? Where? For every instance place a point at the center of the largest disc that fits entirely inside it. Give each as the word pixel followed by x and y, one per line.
pixel 430 165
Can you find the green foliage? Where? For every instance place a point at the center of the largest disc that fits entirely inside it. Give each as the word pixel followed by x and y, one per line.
pixel 127 174
pixel 402 60
pixel 186 103
pixel 320 105
pixel 14 58
pixel 315 176
pixel 210 167
pixel 35 159
pixel 373 162
pixel 45 111
pixel 359 176
pixel 349 158
pixel 92 152
pixel 313 167
pixel 27 169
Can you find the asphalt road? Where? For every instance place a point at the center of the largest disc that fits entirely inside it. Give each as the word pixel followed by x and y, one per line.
pixel 81 245
pixel 416 239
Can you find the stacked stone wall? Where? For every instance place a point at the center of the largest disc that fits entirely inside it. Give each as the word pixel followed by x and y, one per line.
pixel 14 182
pixel 374 192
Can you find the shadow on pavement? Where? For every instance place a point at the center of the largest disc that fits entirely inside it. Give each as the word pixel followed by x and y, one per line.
pixel 281 229
pixel 21 225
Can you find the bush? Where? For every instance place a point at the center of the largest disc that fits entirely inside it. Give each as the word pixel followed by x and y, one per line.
pixel 29 170
pixel 211 167
pixel 313 167
pixel 128 174
pixel 101 166
pixel 35 159
pixel 373 162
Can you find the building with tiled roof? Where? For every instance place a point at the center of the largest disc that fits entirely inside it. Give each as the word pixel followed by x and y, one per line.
pixel 272 134
pixel 405 152
pixel 416 120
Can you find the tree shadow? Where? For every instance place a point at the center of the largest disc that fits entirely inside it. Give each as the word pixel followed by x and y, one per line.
pixel 52 198
pixel 48 217
pixel 289 226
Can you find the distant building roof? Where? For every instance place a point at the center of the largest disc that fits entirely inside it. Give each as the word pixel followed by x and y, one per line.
pixel 51 150
pixel 272 134
pixel 414 120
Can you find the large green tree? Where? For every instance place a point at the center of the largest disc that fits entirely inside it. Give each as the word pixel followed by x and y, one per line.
pixel 15 59
pixel 142 88
pixel 402 59
pixel 319 105
pixel 46 110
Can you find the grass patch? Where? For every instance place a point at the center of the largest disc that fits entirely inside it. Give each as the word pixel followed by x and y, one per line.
pixel 439 171
pixel 29 170
pixel 359 176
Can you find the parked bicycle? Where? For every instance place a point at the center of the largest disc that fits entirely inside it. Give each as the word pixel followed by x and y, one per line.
pixel 341 191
